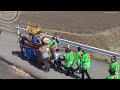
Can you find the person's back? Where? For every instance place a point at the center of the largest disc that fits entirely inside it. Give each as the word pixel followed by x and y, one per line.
pixel 78 56
pixel 113 77
pixel 35 39
pixel 72 56
pixel 86 61
pixel 115 64
pixel 43 52
pixel 85 64
pixel 69 58
pixel 56 55
pixel 112 74
pixel 45 57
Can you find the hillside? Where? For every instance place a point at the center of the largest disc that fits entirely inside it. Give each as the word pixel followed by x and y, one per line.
pixel 94 28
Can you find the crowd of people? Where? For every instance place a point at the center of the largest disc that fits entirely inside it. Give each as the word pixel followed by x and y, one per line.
pixel 50 49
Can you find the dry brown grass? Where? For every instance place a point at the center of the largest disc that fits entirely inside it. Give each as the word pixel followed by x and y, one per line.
pixel 108 40
pixel 92 28
pixel 20 72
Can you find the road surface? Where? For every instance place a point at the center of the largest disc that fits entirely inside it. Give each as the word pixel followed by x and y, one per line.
pixel 7 73
pixel 8 44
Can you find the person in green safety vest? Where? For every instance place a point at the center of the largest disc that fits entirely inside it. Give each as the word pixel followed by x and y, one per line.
pixel 112 74
pixel 53 42
pixel 53 46
pixel 85 64
pixel 69 58
pixel 78 58
pixel 114 64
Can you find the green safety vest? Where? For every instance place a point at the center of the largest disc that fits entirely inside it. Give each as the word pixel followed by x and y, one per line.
pixel 113 77
pixel 69 58
pixel 115 66
pixel 53 42
pixel 85 61
pixel 78 58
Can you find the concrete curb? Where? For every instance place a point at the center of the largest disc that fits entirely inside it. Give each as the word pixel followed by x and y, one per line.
pixel 19 66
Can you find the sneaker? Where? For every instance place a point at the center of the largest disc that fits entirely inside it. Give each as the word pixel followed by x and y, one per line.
pixel 46 70
pixel 61 69
pixel 67 74
pixel 57 67
pixel 77 71
pixel 88 78
pixel 54 65
pixel 72 73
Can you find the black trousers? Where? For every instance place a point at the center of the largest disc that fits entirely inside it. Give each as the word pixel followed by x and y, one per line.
pixel 57 63
pixel 69 70
pixel 22 53
pixel 87 74
pixel 79 68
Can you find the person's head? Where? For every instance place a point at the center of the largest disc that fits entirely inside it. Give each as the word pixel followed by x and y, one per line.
pixel 53 38
pixel 113 59
pixel 57 50
pixel 83 51
pixel 78 48
pixel 111 71
pixel 66 50
pixel 21 35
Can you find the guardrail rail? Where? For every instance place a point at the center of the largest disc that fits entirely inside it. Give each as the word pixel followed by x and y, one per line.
pixel 90 48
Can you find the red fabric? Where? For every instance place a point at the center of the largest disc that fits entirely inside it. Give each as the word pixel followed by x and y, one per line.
pixel 42 48
pixel 54 47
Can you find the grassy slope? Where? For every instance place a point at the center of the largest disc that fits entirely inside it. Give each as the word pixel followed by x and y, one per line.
pixel 91 28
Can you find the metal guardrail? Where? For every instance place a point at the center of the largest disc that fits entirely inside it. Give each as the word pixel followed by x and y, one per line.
pixel 93 49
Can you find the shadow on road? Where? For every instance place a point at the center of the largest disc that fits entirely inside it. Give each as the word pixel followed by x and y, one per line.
pixel 18 53
pixel 40 65
pixel 63 70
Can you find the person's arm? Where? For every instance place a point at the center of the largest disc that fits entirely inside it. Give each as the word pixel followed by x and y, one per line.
pixel 76 57
pixel 67 57
pixel 112 65
pixel 26 38
pixel 55 42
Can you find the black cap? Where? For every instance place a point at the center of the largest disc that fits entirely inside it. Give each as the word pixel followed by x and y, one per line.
pixel 79 48
pixel 113 59
pixel 112 71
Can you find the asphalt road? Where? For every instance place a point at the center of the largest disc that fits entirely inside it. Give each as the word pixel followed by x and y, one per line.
pixel 7 73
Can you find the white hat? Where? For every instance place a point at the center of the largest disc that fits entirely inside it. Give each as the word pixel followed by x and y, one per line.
pixel 46 40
